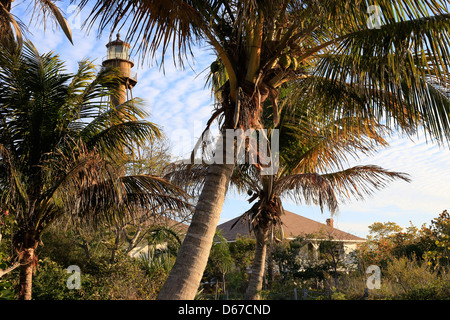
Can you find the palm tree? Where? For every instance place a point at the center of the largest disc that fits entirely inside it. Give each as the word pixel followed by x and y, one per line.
pixel 10 25
pixel 314 153
pixel 62 149
pixel 307 175
pixel 162 257
pixel 263 44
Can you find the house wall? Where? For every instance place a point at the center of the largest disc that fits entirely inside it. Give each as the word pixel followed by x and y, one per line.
pixel 310 252
pixel 349 257
pixel 146 250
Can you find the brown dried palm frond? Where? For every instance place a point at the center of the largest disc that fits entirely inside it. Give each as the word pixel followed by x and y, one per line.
pixel 265 216
pixel 307 188
pixel 326 190
pixel 190 177
pixel 48 8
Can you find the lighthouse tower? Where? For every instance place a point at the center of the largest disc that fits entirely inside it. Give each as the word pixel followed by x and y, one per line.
pixel 118 56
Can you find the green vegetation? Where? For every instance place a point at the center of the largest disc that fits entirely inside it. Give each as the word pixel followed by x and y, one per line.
pixel 407 258
pixel 409 270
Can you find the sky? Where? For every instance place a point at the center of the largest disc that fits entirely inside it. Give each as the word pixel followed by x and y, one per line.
pixel 178 101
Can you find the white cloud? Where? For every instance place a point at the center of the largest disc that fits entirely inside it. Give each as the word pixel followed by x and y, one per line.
pixel 419 201
pixel 427 165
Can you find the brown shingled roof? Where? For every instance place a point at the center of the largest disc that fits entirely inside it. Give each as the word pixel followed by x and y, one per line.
pixel 293 225
pixel 179 226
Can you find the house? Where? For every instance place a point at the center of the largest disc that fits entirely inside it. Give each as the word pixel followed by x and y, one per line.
pixel 294 226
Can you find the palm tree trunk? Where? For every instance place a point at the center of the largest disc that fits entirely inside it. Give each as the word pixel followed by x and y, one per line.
pixel 185 276
pixel 26 274
pixel 256 278
pixel 115 248
pixel 269 266
pixel 27 260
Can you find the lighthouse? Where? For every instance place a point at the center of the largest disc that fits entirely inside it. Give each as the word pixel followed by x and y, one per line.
pixel 118 56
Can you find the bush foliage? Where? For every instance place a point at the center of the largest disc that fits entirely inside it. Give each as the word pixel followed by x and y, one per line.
pixel 414 266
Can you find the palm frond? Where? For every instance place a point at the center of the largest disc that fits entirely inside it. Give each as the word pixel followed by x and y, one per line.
pixel 119 127
pixel 94 190
pixel 152 24
pixel 390 66
pixel 147 192
pixel 88 91
pixel 362 181
pixel 308 188
pixel 315 139
pixel 44 7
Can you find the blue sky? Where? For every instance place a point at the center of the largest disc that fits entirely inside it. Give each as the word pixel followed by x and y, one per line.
pixel 181 104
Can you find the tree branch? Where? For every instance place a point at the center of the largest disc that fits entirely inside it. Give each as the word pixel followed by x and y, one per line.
pixel 9 269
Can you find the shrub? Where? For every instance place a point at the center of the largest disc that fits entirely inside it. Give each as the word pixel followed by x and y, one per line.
pixel 338 296
pixel 123 280
pixel 402 275
pixel 50 283
pixel 438 290
pixel 6 290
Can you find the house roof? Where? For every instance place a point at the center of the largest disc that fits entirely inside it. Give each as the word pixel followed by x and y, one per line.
pixel 179 226
pixel 293 225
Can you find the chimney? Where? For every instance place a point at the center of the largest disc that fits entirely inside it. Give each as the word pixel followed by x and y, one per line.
pixel 330 222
